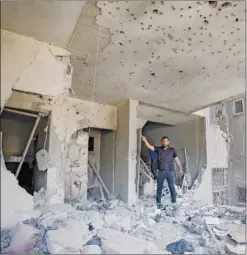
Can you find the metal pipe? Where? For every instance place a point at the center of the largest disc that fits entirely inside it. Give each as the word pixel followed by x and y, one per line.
pixel 21 113
pixel 27 146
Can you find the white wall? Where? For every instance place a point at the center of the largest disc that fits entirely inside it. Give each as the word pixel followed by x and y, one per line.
pixel 217 157
pixel 237 150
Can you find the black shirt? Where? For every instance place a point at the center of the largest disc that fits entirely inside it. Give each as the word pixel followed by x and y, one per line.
pixel 165 157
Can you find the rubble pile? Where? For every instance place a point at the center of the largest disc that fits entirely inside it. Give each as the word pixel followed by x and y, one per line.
pixel 111 227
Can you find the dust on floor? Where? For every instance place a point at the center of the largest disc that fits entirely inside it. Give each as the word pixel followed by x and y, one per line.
pixel 111 227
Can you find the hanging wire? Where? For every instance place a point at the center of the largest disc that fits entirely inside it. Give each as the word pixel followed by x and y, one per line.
pixel 95 75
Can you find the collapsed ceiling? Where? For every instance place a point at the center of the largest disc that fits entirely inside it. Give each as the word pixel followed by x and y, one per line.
pixel 181 55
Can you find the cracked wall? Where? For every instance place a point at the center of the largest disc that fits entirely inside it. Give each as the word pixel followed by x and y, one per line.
pixel 32 66
pixel 44 73
pixel 76 172
pixel 67 116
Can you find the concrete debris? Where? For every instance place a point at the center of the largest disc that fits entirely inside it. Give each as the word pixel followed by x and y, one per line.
pixel 113 227
pixel 69 239
pixel 43 160
pixel 23 240
pixel 119 243
pixel 235 248
pixel 238 234
pixel 220 234
pixel 211 220
pixel 91 249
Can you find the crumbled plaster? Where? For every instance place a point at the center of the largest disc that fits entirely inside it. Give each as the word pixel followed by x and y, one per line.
pixel 38 68
pixel 67 116
pixel 33 66
pixel 72 114
pixel 76 169
pixel 84 34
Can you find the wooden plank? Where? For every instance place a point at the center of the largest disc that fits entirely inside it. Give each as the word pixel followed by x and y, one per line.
pixel 27 146
pixel 96 172
pixel 101 192
pixel 21 112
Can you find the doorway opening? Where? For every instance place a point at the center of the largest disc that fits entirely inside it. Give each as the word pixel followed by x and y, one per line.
pixel 101 158
pixel 22 130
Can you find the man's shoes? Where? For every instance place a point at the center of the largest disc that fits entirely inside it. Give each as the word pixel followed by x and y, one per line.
pixel 159 206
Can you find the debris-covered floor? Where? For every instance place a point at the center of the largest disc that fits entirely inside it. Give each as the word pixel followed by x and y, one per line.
pixel 112 227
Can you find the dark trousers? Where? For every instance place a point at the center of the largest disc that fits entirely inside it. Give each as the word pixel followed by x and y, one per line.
pixel 169 175
pixel 154 165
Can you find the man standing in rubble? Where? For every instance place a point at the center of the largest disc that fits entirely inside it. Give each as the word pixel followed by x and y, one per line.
pixel 166 157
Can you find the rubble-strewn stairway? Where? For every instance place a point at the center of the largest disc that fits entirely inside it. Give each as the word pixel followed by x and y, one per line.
pixel 146 177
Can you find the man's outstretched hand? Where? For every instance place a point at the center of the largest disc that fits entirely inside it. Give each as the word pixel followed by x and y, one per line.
pixel 144 139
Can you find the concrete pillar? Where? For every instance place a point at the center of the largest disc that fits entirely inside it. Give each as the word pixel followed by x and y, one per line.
pixel 55 174
pixel 76 169
pixel 126 142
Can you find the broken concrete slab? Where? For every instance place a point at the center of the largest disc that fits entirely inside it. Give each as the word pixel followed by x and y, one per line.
pixel 115 242
pixel 235 248
pixel 211 220
pixel 238 234
pixel 70 239
pixel 123 224
pixel 91 249
pixel 220 234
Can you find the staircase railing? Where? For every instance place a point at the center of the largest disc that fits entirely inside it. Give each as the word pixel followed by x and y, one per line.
pixel 145 175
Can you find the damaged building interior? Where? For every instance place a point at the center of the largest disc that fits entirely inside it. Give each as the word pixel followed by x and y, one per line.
pixel 88 89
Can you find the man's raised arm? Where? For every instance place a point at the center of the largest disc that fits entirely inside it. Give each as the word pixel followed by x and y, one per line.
pixel 149 146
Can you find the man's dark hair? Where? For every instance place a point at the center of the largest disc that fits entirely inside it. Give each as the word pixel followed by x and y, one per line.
pixel 165 137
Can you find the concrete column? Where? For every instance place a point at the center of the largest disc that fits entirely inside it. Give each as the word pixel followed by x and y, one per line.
pixel 55 174
pixel 126 142
pixel 76 169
